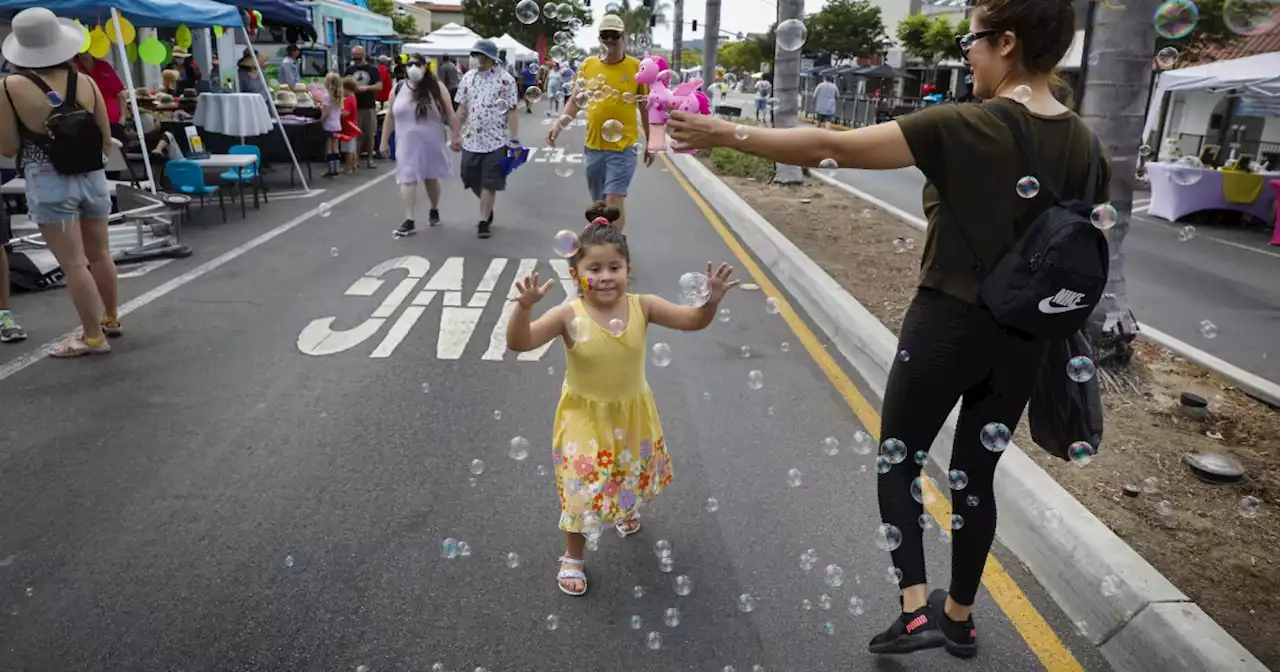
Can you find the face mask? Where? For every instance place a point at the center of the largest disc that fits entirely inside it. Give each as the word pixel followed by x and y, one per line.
pixel 473 63
pixel 415 74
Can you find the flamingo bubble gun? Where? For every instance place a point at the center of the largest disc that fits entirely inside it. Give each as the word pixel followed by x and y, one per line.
pixel 686 97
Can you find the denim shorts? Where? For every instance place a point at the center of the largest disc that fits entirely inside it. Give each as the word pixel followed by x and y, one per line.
pixel 54 198
pixel 609 172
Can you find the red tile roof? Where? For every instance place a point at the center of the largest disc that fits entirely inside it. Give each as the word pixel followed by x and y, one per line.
pixel 1240 48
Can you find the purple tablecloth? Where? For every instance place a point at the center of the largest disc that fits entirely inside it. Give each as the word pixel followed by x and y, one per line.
pixel 1172 201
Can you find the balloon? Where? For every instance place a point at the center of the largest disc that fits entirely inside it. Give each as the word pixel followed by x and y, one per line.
pixel 131 52
pixel 126 29
pixel 183 36
pixel 217 31
pixel 99 46
pixel 151 51
pixel 84 47
pixel 404 58
pixel 168 53
pixel 257 18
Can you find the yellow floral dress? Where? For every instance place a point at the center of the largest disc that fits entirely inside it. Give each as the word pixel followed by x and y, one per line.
pixel 608 449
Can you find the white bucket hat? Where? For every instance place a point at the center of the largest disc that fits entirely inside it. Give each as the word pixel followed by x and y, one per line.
pixel 41 40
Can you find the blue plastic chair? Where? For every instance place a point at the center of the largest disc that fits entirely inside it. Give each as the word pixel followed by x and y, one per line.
pixel 187 177
pixel 250 174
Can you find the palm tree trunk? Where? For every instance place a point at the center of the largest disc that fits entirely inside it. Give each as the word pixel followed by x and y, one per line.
pixel 710 43
pixel 677 34
pixel 1115 105
pixel 786 86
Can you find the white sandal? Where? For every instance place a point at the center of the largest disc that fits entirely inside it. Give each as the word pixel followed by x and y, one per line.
pixel 567 574
pixel 627 527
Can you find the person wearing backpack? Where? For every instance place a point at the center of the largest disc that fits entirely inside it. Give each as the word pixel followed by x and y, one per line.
pixel 1011 262
pixel 55 121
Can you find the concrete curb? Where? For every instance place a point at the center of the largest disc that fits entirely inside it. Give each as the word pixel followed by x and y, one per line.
pixel 1251 384
pixel 1149 625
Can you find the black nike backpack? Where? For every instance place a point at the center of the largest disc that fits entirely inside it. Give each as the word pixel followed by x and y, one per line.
pixel 1054 275
pixel 72 138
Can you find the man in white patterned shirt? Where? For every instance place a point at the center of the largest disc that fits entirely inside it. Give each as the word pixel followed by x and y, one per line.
pixel 487 106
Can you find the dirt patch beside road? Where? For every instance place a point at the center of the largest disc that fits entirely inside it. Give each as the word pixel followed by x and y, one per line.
pixel 1192 532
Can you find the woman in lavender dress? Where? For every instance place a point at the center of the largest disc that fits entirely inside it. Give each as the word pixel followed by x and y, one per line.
pixel 420 108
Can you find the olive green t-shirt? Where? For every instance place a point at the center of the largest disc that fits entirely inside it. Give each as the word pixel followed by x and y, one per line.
pixel 973 166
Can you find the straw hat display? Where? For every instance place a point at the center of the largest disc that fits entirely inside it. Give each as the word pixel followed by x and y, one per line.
pixel 164 101
pixel 286 101
pixel 179 52
pixel 143 95
pixel 305 101
pixel 299 87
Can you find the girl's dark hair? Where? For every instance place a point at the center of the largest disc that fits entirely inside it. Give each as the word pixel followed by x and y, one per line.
pixel 601 233
pixel 426 91
pixel 1045 29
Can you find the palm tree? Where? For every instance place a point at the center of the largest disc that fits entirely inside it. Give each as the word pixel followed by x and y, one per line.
pixel 637 19
pixel 1114 104
pixel 786 87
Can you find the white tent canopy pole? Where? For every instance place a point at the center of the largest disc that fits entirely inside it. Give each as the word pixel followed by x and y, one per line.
pixel 133 98
pixel 275 114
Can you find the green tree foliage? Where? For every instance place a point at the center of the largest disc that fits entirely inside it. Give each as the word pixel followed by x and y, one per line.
pixel 743 55
pixel 403 25
pixel 846 29
pixel 690 59
pixel 493 18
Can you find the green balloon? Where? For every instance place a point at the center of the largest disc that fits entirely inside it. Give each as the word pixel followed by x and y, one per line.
pixel 152 51
pixel 168 53
pixel 131 52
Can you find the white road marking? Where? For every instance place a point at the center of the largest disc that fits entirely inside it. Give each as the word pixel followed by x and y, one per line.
pixel 19 363
pixel 319 338
pixel 139 270
pixel 399 330
pixel 498 338
pixel 561 267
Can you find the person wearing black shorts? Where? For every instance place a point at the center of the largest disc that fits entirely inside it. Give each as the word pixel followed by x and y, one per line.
pixel 487 105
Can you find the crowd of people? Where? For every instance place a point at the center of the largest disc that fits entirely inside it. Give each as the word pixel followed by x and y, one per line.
pixel 958 350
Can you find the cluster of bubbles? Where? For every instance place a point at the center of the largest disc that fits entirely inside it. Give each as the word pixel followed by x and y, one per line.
pixel 1186 233
pixel 527 11
pixel 1208 329
pixel 451 548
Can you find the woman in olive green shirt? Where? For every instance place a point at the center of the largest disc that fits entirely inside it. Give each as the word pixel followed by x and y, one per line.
pixel 950 347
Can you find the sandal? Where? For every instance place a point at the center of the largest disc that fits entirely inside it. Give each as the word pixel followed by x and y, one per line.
pixel 628 527
pixel 571 574
pixel 80 347
pixel 111 326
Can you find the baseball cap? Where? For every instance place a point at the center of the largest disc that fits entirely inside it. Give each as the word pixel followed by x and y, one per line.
pixel 611 22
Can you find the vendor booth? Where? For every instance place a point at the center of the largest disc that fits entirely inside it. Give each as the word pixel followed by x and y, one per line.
pixel 450 39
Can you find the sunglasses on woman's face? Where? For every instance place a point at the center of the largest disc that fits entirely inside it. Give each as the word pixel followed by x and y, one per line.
pixel 965 42
pixel 610 36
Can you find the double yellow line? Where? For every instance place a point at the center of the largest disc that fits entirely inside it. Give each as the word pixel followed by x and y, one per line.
pixel 1030 624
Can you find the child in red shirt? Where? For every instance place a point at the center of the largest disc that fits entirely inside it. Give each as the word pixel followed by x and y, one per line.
pixel 350 129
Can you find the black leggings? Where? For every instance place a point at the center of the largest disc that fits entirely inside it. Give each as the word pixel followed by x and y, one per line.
pixel 955 350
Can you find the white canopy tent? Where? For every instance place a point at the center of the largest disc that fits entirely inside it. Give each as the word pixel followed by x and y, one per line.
pixel 1256 75
pixel 516 52
pixel 449 40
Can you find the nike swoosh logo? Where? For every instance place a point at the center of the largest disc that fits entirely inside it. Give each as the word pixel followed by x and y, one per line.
pixel 1047 307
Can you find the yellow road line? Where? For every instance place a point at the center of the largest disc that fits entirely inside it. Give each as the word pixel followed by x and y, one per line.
pixel 1030 624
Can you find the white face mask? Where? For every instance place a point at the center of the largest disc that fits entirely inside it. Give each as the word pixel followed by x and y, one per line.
pixel 473 63
pixel 415 74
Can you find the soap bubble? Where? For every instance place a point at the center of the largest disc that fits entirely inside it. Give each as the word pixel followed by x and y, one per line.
pixel 533 94
pixel 828 166
pixel 824 601
pixel 1081 453
pixel 325 209
pixel 1186 233
pixel 893 575
pixel 922 457
pixel 793 477
pixel 1028 186
pixel 806 604
pixel 1150 485
pixel 519 448
pixel 671 617
pixel 957 479
pixel 1187 170
pixel 637 591
pixel 1022 93
pixel 894 450
pixel 333 252
pixel 684 585
pixel 712 505
pixel 724 315
pixel 661 549
pixel 1250 507
pixel 888 537
pixel 925 521
pixel 54 98
pixel 791 34
pixel 923 489
pixel 883 465
pixel 580 329
pixel 565 12
pixel 1176 19
pixel 904 356
pixel 449 548
pixel 1166 57
pixel 834 576
pixel 1051 518
pixel 611 130
pixel 654 641
pixel 831 446
pixel 862 443
pixel 464 549
pixel 746 603
pixel 740 132
pixel 513 560
pixel 426 388
pixel 1110 585
pixel 857 606
pixel 695 289
pixel 1080 369
pixel 1251 17
pixel 288 562
pixel 746 351
pixel 1144 150
pixel 617 327
pixel 771 306
pixel 995 437
pixel 661 354
pixel 637 622
pixel 566 243
pixel 477 467
pixel 972 501
pixel 1104 216
pixel 1164 507
pixel 785 347
pixel 1208 329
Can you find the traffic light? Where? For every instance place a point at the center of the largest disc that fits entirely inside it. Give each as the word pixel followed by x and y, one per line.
pixel 695 25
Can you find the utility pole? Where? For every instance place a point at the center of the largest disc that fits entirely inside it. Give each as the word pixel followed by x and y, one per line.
pixel 786 87
pixel 677 34
pixel 710 43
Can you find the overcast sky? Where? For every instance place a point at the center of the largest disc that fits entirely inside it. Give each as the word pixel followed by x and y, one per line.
pixel 746 16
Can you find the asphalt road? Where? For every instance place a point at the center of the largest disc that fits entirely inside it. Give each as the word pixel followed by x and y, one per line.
pixel 1225 275
pixel 260 475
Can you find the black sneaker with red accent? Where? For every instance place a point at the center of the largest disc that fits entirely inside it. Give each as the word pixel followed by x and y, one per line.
pixel 910 632
pixel 961 637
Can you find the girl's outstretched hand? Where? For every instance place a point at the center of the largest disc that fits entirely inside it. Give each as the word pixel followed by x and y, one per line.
pixel 531 292
pixel 720 282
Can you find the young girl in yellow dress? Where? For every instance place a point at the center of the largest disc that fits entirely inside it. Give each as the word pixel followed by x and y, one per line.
pixel 608 449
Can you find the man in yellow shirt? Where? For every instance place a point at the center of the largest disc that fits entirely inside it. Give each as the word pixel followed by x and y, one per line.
pixel 607 87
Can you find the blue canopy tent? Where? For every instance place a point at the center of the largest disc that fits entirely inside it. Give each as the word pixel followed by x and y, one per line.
pixel 288 14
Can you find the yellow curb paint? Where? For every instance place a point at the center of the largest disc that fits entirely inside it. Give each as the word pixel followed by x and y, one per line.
pixel 1029 623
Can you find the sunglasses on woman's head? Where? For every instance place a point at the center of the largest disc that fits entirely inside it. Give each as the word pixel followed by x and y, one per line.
pixel 965 42
pixel 610 35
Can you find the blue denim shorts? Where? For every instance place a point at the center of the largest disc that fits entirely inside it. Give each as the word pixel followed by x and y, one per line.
pixel 54 198
pixel 609 172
